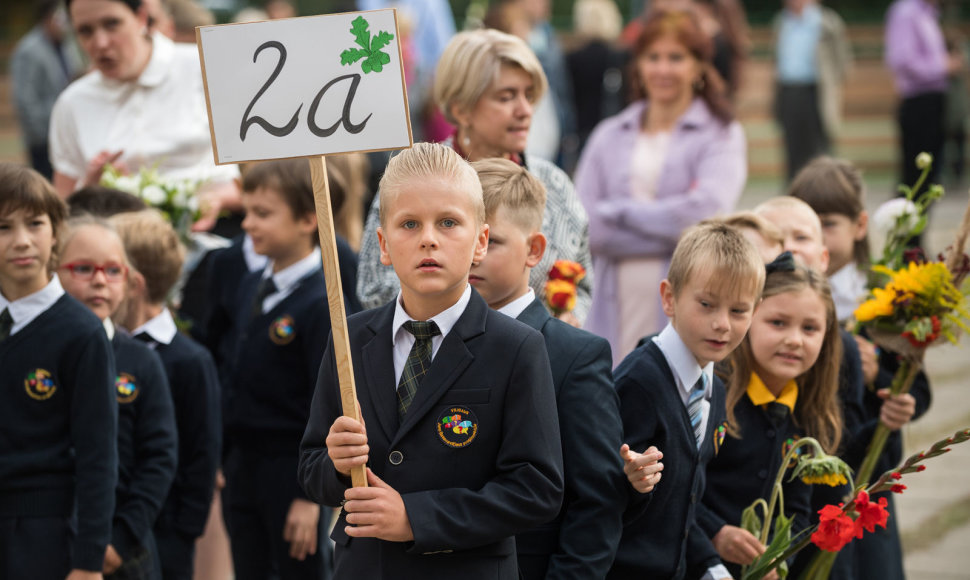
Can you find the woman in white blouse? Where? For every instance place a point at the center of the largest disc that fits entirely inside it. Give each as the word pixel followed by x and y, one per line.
pixel 142 105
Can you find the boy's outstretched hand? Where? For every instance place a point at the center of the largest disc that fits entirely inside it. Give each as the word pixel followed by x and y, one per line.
pixel 377 511
pixel 347 444
pixel 301 528
pixel 642 469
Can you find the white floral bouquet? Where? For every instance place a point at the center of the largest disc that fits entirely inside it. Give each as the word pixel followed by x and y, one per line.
pixel 175 198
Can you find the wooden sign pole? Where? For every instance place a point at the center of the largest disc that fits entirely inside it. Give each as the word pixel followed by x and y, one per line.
pixel 335 296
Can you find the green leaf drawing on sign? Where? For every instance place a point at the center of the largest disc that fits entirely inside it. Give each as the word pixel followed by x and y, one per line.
pixel 370 48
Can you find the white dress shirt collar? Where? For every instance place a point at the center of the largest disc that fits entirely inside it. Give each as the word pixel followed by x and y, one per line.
pixel 682 363
pixel 25 310
pixel 161 329
pixel 445 320
pixel 517 306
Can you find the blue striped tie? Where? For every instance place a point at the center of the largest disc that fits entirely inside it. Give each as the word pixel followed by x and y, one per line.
pixel 695 410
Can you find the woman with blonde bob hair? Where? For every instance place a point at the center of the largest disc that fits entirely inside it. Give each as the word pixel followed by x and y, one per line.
pixel 487 84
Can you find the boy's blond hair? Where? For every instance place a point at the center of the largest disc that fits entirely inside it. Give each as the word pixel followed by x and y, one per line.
pixel 752 221
pixel 722 251
pixel 508 184
pixel 472 62
pixel 153 248
pixel 430 161
pixel 787 202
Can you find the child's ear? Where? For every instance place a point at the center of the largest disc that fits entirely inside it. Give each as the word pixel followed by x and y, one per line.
pixel 382 242
pixel 667 298
pixel 481 245
pixel 537 248
pixel 308 223
pixel 861 225
pixel 824 259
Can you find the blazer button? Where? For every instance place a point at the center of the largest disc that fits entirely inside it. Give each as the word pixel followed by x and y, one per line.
pixel 396 457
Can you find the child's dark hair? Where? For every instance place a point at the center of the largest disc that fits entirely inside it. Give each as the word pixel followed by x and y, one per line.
pixel 817 412
pixel 291 179
pixel 831 185
pixel 133 4
pixel 22 188
pixel 103 202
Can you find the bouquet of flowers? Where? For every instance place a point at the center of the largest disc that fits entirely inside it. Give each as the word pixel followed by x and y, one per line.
pixel 838 524
pixel 176 199
pixel 914 302
pixel 560 289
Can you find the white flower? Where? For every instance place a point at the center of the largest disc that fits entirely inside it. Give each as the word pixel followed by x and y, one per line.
pixel 127 183
pixel 884 218
pixel 154 195
pixel 193 204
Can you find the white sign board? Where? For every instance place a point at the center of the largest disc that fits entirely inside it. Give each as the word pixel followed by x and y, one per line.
pixel 302 87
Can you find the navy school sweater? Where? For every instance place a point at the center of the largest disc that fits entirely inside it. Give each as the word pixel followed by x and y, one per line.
pixel 276 358
pixel 58 420
pixel 660 537
pixel 147 443
pixel 195 395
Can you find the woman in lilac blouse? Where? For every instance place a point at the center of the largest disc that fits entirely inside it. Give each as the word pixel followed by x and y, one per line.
pixel 672 158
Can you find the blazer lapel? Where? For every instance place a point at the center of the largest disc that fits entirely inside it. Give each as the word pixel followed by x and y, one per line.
pixel 672 384
pixel 452 359
pixel 377 364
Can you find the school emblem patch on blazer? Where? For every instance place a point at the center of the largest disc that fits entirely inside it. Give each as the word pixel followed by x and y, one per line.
pixel 127 388
pixel 40 385
pixel 457 427
pixel 719 434
pixel 786 447
pixel 282 331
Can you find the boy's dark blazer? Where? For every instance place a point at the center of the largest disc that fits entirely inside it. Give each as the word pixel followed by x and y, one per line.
pixel 661 537
pixel 582 540
pixel 465 504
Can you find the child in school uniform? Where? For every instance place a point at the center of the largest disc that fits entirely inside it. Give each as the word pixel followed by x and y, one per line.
pixel 279 332
pixel 155 255
pixel 466 453
pixel 58 415
pixel 93 268
pixel 671 402
pixel 802 229
pixel 782 385
pixel 581 541
pixel 834 189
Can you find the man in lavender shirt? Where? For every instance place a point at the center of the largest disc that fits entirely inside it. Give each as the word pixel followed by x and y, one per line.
pixel 917 56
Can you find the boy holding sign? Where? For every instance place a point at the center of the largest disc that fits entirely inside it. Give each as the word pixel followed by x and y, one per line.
pixel 466 453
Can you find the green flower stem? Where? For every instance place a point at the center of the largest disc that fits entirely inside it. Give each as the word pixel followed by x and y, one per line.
pixel 821 566
pixel 776 490
pixel 902 383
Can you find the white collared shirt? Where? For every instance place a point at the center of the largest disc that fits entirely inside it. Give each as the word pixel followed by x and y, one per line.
pixel 25 310
pixel 109 328
pixel 402 340
pixel 161 329
pixel 157 120
pixel 848 290
pixel 253 260
pixel 287 279
pixel 517 306
pixel 686 371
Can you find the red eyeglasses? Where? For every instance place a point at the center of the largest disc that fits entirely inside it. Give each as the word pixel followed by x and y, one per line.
pixel 86 270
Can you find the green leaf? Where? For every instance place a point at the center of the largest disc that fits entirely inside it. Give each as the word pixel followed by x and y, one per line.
pixel 374 62
pixel 359 28
pixel 352 55
pixel 366 66
pixel 382 39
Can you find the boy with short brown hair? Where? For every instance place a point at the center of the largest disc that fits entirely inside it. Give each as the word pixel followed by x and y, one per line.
pixel 671 401
pixel 581 540
pixel 466 454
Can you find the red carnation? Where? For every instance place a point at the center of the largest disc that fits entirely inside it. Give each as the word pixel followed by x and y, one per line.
pixel 897 475
pixel 897 488
pixel 835 529
pixel 871 514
